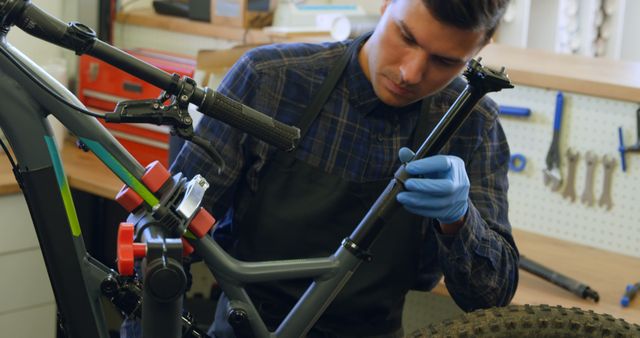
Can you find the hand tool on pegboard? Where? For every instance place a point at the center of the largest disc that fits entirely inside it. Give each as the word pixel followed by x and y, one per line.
pixel 517 162
pixel 570 187
pixel 605 197
pixel 552 174
pixel 514 111
pixel 632 148
pixel 587 194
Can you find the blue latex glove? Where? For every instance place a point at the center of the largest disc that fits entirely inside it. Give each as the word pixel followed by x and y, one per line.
pixel 440 188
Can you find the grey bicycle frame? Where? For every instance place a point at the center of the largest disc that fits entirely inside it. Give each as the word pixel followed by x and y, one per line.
pixel 23 120
pixel 76 277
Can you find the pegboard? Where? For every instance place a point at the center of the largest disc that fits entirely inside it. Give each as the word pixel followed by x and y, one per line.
pixel 589 124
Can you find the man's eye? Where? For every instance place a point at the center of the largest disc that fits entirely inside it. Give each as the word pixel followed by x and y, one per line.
pixel 408 39
pixel 446 62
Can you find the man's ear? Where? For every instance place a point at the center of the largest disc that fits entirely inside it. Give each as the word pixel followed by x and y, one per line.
pixel 383 8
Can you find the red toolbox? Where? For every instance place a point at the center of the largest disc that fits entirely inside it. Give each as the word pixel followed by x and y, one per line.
pixel 101 86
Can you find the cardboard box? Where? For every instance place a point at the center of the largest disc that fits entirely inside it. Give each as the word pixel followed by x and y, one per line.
pixel 243 13
pixel 213 65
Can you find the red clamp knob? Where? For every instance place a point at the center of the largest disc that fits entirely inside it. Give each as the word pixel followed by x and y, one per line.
pixel 129 199
pixel 201 223
pixel 155 176
pixel 128 251
pixel 187 249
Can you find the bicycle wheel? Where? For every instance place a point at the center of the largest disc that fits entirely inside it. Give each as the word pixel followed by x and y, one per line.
pixel 531 321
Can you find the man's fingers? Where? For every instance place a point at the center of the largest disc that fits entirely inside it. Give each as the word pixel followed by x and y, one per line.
pixel 416 200
pixel 429 165
pixel 433 187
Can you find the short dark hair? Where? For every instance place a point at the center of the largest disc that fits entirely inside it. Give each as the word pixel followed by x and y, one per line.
pixel 469 14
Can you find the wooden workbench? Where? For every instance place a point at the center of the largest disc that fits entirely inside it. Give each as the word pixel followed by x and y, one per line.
pixel 606 272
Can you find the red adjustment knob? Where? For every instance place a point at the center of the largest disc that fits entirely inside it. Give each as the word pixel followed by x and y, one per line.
pixel 201 223
pixel 187 249
pixel 128 199
pixel 155 176
pixel 128 251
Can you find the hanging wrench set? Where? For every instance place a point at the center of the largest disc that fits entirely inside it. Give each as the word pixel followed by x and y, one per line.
pixel 553 176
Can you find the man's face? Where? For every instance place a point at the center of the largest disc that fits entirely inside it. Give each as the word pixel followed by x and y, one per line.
pixel 412 55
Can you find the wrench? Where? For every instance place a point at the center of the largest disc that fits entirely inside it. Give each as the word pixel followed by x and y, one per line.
pixel 570 189
pixel 552 174
pixel 605 197
pixel 587 194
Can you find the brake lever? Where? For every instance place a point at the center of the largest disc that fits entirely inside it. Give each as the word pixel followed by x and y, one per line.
pixel 175 115
pixel 188 135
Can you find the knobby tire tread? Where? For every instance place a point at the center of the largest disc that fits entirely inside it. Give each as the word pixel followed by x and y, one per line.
pixel 539 321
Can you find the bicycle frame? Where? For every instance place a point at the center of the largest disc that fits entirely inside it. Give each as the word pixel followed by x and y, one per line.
pixel 76 277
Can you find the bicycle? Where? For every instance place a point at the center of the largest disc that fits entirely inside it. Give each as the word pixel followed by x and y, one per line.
pixel 166 219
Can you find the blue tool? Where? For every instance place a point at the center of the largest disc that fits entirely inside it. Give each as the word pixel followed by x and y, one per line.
pixel 632 148
pixel 629 293
pixel 515 111
pixel 552 173
pixel 517 162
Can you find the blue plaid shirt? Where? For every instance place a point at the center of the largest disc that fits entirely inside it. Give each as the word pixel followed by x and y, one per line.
pixel 357 137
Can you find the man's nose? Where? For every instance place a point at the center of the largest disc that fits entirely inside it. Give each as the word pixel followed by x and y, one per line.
pixel 413 69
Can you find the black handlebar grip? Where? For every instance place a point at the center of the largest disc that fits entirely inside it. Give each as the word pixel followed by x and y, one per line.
pixel 249 120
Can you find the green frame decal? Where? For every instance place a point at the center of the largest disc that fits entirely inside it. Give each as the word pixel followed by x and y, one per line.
pixel 125 176
pixel 65 190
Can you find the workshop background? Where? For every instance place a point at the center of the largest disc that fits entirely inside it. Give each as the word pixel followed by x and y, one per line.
pixel 597 133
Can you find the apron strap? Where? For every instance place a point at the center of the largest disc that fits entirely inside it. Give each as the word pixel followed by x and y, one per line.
pixel 328 85
pixel 424 125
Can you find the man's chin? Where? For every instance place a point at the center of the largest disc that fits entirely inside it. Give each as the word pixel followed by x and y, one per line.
pixel 397 101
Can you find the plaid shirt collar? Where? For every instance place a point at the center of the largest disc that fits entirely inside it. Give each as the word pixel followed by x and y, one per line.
pixel 361 94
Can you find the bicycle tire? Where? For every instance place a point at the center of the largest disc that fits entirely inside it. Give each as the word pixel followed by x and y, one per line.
pixel 540 321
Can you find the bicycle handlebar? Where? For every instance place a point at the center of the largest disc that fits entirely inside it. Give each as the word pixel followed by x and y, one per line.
pixel 81 39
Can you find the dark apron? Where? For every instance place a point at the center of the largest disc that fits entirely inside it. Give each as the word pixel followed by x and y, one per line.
pixel 300 211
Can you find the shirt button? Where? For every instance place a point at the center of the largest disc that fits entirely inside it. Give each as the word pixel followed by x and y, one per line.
pixel 379 137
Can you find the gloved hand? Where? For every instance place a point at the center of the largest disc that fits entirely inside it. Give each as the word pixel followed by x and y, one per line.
pixel 440 188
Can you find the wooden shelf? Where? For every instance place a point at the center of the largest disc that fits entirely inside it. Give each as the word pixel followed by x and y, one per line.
pixel 606 78
pixel 146 17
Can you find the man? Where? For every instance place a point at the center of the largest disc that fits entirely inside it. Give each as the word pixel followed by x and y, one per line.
pixel 281 206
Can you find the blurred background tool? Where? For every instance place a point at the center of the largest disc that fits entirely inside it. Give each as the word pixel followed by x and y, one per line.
pixel 567 283
pixel 299 17
pixel 517 162
pixel 552 174
pixel 346 27
pixel 629 293
pixel 609 164
pixel 172 7
pixel 572 164
pixel 587 194
pixel 515 111
pixel 632 148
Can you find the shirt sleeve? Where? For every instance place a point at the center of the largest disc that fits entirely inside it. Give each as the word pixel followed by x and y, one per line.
pixel 239 84
pixel 480 262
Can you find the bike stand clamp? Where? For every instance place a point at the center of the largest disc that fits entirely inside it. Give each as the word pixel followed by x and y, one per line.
pixel 128 250
pixel 632 148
